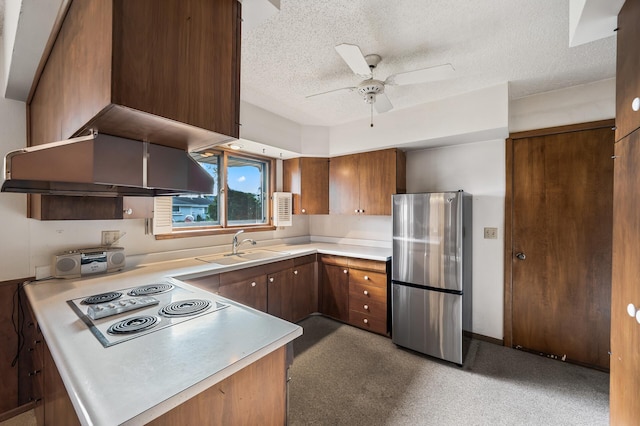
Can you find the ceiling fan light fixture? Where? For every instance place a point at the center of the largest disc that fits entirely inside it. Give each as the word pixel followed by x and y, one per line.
pixel 370 98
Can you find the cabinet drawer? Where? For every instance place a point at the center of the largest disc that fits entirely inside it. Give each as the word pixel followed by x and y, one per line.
pixel 367 293
pixel 368 265
pixel 367 322
pixel 372 308
pixel 368 279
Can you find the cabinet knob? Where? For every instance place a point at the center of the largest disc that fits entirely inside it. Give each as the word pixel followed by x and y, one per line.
pixel 35 342
pixel 345 271
pixel 635 104
pixel 366 321
pixel 253 284
pixel 366 277
pixel 304 210
pixel 34 372
pixel 128 211
pixel 295 272
pixel 366 307
pixel 271 280
pixel 366 293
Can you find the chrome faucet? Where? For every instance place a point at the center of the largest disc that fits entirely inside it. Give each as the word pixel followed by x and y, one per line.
pixel 235 244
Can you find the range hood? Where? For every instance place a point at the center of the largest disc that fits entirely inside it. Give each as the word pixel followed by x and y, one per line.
pixel 104 165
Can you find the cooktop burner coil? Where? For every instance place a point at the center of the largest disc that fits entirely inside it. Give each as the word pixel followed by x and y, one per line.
pixel 133 325
pixel 102 298
pixel 149 289
pixel 185 308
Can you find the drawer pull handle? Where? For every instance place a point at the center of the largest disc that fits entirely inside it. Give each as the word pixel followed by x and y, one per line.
pixel 366 277
pixel 345 271
pixel 366 293
pixel 253 284
pixel 366 321
pixel 295 272
pixel 34 372
pixel 304 210
pixel 35 342
pixel 635 105
pixel 366 307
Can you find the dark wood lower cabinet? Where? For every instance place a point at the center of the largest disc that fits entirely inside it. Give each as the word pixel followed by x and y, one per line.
pixel 334 288
pixel 279 294
pixel 305 290
pixel 58 409
pixel 250 291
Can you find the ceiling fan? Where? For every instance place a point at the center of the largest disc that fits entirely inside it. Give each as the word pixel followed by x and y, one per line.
pixel 372 90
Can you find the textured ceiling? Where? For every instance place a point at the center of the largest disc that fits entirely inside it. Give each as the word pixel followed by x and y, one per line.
pixel 525 42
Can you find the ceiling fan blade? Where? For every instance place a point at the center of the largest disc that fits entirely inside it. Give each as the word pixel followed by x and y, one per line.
pixel 424 75
pixel 382 104
pixel 353 56
pixel 351 89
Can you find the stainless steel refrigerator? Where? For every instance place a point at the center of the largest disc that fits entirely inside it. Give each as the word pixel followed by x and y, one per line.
pixel 431 273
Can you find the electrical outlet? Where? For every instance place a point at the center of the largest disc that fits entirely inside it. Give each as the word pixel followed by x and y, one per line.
pixel 109 237
pixel 490 233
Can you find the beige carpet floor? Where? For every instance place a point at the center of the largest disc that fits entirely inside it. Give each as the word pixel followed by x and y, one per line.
pixel 345 376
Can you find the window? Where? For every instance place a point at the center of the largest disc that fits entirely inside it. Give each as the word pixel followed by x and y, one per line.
pixel 240 198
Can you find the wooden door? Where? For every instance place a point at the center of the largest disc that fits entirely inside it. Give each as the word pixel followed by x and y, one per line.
pixel 561 242
pixel 344 185
pixel 334 291
pixel 625 330
pixel 314 195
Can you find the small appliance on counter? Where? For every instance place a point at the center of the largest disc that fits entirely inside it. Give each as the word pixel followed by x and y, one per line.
pixel 88 261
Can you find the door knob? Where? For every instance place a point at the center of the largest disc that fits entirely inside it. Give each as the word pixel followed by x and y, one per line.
pixel 521 256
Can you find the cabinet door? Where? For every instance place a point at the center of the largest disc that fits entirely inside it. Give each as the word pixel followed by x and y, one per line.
pixel 251 292
pixel 377 170
pixel 344 185
pixel 314 193
pixel 305 296
pixel 58 409
pixel 628 64
pixel 279 294
pixel 625 330
pixel 334 292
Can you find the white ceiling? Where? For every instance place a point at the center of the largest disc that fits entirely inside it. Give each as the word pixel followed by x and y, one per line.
pixel 525 42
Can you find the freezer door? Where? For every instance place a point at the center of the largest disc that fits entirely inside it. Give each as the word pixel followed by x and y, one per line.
pixel 427 239
pixel 427 321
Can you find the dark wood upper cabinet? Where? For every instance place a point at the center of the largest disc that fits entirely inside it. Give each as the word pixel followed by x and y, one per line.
pixel 363 183
pixel 308 180
pixel 163 71
pixel 628 64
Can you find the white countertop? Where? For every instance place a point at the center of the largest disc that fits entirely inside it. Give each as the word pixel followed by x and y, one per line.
pixel 138 380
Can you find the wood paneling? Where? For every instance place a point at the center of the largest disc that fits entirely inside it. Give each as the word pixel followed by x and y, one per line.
pixel 561 218
pixel 627 67
pixel 256 395
pixel 625 330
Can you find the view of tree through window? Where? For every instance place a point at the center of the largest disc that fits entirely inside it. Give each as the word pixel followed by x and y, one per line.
pixel 243 203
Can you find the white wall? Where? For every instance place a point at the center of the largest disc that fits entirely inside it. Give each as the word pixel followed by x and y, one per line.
pixel 479 169
pixel 578 104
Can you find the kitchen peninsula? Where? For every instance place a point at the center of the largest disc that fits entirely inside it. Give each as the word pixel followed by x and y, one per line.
pixel 165 374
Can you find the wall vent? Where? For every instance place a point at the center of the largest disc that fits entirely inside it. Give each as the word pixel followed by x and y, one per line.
pixel 282 209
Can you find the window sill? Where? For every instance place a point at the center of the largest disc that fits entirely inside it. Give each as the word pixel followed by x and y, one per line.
pixel 187 233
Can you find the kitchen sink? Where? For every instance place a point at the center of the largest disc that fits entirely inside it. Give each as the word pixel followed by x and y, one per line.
pixel 242 256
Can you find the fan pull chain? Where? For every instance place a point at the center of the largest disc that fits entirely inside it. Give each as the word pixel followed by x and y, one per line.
pixel 372 115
